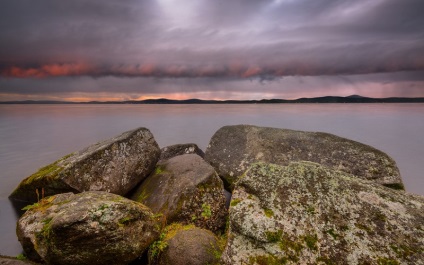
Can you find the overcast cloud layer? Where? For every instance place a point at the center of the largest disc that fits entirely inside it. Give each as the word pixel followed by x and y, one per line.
pixel 80 50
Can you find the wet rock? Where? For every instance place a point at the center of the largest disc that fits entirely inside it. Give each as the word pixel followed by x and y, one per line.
pixel 116 165
pixel 233 148
pixel 305 213
pixel 185 245
pixel 4 260
pixel 92 227
pixel 185 189
pixel 180 149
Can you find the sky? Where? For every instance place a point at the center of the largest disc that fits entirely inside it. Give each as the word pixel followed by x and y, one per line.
pixel 210 49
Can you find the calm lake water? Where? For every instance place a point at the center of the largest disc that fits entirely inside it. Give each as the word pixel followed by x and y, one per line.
pixel 34 135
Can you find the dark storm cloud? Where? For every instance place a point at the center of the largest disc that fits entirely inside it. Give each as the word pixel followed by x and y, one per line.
pixel 45 31
pixel 327 37
pixel 205 39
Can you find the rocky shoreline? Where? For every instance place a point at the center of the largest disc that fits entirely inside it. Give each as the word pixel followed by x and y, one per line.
pixel 256 196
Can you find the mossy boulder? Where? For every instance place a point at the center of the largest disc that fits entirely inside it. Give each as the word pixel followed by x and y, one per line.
pixel 305 213
pixel 185 245
pixel 4 260
pixel 116 165
pixel 92 227
pixel 180 149
pixel 233 148
pixel 185 189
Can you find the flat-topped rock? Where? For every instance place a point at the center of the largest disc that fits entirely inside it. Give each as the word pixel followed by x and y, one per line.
pixel 305 213
pixel 233 148
pixel 90 228
pixel 116 165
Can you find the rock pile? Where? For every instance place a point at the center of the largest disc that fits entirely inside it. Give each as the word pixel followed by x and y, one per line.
pixel 297 198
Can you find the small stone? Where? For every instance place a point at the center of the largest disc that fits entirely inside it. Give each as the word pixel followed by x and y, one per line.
pixel 180 149
pixel 188 245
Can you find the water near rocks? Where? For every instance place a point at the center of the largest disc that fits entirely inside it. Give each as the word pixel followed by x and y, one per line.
pixel 32 136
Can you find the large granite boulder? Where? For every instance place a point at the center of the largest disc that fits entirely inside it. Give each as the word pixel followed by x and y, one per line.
pixel 305 213
pixel 180 149
pixel 233 148
pixel 185 245
pixel 92 227
pixel 185 189
pixel 116 165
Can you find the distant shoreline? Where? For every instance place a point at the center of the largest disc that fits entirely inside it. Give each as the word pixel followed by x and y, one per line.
pixel 327 99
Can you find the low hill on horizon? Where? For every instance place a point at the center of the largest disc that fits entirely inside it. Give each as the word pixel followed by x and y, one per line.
pixel 324 99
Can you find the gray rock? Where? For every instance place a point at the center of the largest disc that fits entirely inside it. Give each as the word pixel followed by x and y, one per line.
pixel 116 165
pixel 233 148
pixel 4 260
pixel 305 213
pixel 92 227
pixel 186 245
pixel 180 149
pixel 185 189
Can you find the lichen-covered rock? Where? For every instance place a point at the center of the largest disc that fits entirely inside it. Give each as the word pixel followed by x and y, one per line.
pixel 92 227
pixel 185 189
pixel 116 165
pixel 185 245
pixel 233 148
pixel 4 260
pixel 180 149
pixel 305 213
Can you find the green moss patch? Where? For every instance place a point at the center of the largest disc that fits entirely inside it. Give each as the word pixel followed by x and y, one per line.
pixel 267 260
pixel 50 171
pixel 310 210
pixel 395 186
pixel 45 233
pixel 41 205
pixel 325 260
pixel 269 213
pixel 159 169
pixel 273 236
pixel 332 233
pixel 364 228
pixel 234 202
pixel 125 221
pixel 206 211
pixel 402 251
pixel 161 244
pixel 21 257
pixel 387 261
pixel 311 242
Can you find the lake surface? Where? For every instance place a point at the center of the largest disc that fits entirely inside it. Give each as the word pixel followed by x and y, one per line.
pixel 32 136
